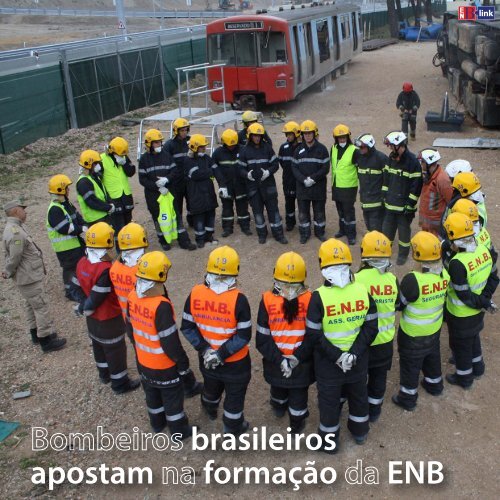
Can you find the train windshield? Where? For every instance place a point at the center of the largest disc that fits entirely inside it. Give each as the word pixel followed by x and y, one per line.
pixel 248 48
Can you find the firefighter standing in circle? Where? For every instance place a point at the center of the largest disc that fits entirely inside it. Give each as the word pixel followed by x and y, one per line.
pixel 383 286
pixel 160 356
pixel 344 182
pixel 342 323
pixel 469 187
pixel 408 103
pixel 258 164
pixel 91 194
pixel 232 189
pixel 281 326
pixel 178 149
pixel 66 230
pixel 473 281
pixel 99 305
pixel 156 168
pixel 285 156
pixel 422 298
pixel 371 164
pixel 217 322
pixel 401 187
pixel 248 118
pixel 310 169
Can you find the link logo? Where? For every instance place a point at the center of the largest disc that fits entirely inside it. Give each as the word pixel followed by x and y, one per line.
pixel 471 13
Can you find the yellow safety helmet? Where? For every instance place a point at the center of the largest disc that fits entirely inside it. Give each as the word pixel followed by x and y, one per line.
pixel 88 158
pixel 333 252
pixel 132 236
pixel 58 184
pixel 309 126
pixel 466 207
pixel 118 146
pixel 178 124
pixel 425 247
pixel 197 141
pixel 152 135
pixel 153 266
pixel 375 244
pixel 466 183
pixel 100 235
pixel 229 137
pixel 341 130
pixel 290 268
pixel 249 117
pixel 292 128
pixel 255 129
pixel 458 226
pixel 224 261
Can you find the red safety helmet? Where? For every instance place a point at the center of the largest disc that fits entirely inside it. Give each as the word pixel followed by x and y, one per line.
pixel 407 87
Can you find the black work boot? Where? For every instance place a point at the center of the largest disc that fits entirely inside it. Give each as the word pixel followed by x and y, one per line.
pixel 34 337
pixel 401 261
pixel 246 230
pixel 455 379
pixel 227 232
pixel 164 245
pixel 403 404
pixel 193 391
pixel 478 369
pixel 243 427
pixel 129 386
pixel 184 241
pixel 49 344
pixel 320 235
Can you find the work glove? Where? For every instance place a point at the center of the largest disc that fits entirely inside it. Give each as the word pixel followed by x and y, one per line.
pixel 414 109
pixel 265 175
pixel 250 176
pixel 163 190
pixel 223 192
pixel 292 361
pixel 112 209
pixel 492 308
pixel 78 310
pixel 211 359
pixel 286 370
pixel 401 114
pixel 161 182
pixel 349 362
pixel 340 361
pixel 308 182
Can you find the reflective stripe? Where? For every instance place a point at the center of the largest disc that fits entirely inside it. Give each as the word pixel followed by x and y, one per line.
pixel 145 348
pixel 279 401
pixel 311 324
pixel 456 302
pixel 370 317
pixel 199 233
pixel 358 419
pixel 74 280
pixel 62 238
pixel 194 169
pixel 146 335
pixel 156 411
pixel 464 372
pixel 122 299
pixel 401 244
pixel 289 333
pixel 244 324
pixel 479 285
pixel 233 416
pixel 216 329
pixel 433 380
pixel 403 299
pixel 260 226
pixel 101 365
pixel 427 321
pixel 101 289
pixel 477 359
pixel 460 287
pixel 375 401
pixel 187 316
pixel 384 328
pixel 319 224
pixel 412 392
pixel 264 331
pixel 177 416
pixel 385 315
pixel 305 224
pixel 217 401
pixel 259 161
pixel 209 228
pixel 116 376
pixel 297 413
pixel 107 341
pixel 417 310
pixel 324 428
pixel 61 224
pixel 339 335
pixel 168 331
pixel 282 345
pixel 87 194
pixel 276 224
pixel 312 160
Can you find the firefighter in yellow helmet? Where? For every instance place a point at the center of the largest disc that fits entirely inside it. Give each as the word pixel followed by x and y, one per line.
pixel 99 304
pixel 473 281
pixel 161 359
pixel 66 230
pixel 248 118
pixel 177 147
pixel 382 285
pixel 281 328
pixel 117 169
pixel 342 322
pixel 422 298
pixel 469 186
pixel 217 322
pixel 232 188
pixel 344 182
pixel 257 165
pixel 285 155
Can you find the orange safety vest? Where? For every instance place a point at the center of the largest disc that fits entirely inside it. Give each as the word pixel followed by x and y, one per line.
pixel 214 315
pixel 142 314
pixel 123 279
pixel 287 336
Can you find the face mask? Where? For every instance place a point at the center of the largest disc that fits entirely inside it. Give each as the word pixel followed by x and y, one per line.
pixel 477 197
pixel 142 286
pixel 434 267
pixel 81 170
pixel 97 168
pixel 121 160
pixel 95 255
pixel 288 291
pixel 468 244
pixel 381 264
pixel 201 155
pixel 130 257
pixel 220 284
pixel 342 144
pixel 158 149
pixel 477 228
pixel 337 275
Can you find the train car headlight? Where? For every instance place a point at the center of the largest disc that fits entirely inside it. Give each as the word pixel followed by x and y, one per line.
pixel 280 84
pixel 217 84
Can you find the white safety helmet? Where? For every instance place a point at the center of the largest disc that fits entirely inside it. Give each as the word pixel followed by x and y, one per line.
pixel 456 167
pixel 429 155
pixel 395 138
pixel 365 140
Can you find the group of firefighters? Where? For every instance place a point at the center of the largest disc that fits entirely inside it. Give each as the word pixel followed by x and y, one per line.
pixel 340 335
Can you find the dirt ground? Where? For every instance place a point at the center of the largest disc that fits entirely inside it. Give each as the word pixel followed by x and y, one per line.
pixel 457 428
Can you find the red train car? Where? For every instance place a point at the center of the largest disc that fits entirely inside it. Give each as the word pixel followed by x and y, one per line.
pixel 273 58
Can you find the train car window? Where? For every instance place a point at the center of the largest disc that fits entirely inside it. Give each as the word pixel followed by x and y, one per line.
pixel 297 53
pixel 309 49
pixel 272 48
pixel 323 39
pixel 246 50
pixel 336 45
pixel 344 25
pixel 221 49
pixel 354 25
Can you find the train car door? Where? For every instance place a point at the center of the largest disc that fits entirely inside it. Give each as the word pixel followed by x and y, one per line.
pixel 246 60
pixel 302 55
pixel 355 31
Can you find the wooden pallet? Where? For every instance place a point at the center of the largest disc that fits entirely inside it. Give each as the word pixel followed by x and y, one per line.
pixel 378 43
